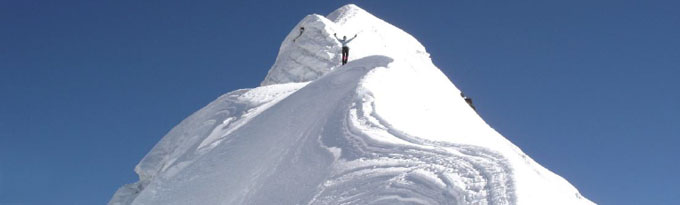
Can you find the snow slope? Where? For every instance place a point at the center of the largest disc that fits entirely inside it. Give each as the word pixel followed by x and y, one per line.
pixel 386 128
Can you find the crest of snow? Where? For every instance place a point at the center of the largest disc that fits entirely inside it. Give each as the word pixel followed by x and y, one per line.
pixel 315 52
pixel 200 132
pixel 387 128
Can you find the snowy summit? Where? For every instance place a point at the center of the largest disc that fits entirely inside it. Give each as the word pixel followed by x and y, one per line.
pixel 386 128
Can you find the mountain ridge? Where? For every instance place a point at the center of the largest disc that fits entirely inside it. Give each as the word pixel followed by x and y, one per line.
pixel 388 127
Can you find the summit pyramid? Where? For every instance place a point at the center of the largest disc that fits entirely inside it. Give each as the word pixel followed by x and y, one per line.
pixel 386 128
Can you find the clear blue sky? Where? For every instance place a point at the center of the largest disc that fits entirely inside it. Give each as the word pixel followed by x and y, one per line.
pixel 589 89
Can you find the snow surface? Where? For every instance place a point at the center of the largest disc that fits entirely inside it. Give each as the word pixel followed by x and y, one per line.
pixel 386 128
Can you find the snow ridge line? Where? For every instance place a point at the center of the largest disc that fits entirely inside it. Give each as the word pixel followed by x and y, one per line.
pixel 199 133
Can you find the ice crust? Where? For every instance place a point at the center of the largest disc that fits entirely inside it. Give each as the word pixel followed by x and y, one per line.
pixel 387 128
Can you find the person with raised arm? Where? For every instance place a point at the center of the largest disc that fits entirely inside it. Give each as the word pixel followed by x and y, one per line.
pixel 345 50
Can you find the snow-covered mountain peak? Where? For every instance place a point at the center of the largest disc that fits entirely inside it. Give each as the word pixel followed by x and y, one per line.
pixel 311 49
pixel 374 35
pixel 348 12
pixel 386 128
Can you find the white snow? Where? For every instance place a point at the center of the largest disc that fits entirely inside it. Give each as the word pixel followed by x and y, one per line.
pixel 387 128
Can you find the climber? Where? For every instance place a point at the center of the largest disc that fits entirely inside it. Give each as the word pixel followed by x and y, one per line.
pixel 345 50
pixel 468 100
pixel 302 29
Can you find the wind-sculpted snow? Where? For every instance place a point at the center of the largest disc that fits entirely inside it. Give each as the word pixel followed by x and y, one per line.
pixel 328 154
pixel 200 132
pixel 412 170
pixel 323 144
pixel 305 56
pixel 376 163
pixel 387 128
pixel 270 153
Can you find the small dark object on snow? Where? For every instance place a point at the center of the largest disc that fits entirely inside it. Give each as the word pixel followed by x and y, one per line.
pixel 468 100
pixel 302 29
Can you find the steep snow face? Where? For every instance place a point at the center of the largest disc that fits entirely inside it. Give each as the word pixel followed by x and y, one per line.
pixel 386 128
pixel 305 55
